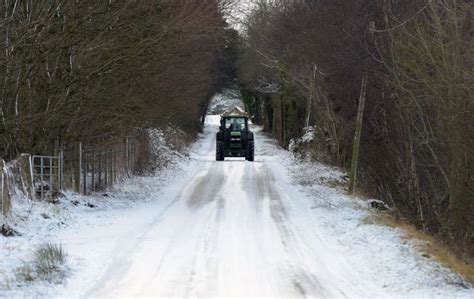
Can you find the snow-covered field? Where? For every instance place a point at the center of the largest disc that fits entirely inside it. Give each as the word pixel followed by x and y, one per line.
pixel 204 228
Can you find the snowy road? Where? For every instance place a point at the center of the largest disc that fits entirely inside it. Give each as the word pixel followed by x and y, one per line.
pixel 238 228
pixel 228 229
pixel 201 228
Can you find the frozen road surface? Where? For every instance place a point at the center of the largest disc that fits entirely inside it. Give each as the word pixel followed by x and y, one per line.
pixel 227 229
pixel 231 228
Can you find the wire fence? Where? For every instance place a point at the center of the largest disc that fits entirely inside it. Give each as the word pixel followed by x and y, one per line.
pixel 94 168
pixel 78 167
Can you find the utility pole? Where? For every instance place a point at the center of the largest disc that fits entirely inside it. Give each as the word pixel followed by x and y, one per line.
pixel 359 122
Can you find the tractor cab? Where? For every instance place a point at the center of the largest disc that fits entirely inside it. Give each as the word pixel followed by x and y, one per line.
pixel 234 123
pixel 234 138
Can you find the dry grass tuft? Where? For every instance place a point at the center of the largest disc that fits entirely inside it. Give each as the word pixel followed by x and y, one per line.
pixel 429 246
pixel 48 264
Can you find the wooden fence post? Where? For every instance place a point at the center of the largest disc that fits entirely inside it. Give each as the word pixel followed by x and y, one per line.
pixel 111 153
pixel 2 185
pixel 85 173
pixel 78 173
pixel 134 155
pixel 51 178
pixel 26 175
pixel 127 164
pixel 33 191
pixel 4 196
pixel 93 171
pixel 61 170
pixel 115 166
pixel 105 167
pixel 99 180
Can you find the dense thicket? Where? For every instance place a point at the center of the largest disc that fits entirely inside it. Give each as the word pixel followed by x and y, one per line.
pixel 83 69
pixel 303 64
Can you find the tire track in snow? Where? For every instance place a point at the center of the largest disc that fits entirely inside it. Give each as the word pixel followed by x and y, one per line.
pixel 328 271
pixel 201 197
pixel 232 231
pixel 303 281
pixel 119 264
pixel 201 192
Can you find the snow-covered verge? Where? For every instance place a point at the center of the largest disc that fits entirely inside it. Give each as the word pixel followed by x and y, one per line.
pixel 39 223
pixel 386 258
pixel 274 226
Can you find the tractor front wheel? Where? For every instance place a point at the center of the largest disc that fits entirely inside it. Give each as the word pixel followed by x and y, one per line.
pixel 219 151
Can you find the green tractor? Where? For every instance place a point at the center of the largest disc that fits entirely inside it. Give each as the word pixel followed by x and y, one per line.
pixel 234 138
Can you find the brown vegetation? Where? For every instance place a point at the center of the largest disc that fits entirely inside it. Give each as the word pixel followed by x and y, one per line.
pixel 92 70
pixel 303 65
pixel 428 246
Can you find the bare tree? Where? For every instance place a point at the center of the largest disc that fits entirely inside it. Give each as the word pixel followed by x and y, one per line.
pixel 82 70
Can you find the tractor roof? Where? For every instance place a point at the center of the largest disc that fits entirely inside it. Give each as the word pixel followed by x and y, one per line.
pixel 235 112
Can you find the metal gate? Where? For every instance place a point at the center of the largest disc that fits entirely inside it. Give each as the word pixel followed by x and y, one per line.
pixel 46 176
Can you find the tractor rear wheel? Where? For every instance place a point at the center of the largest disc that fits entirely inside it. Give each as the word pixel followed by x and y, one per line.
pixel 219 151
pixel 250 151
